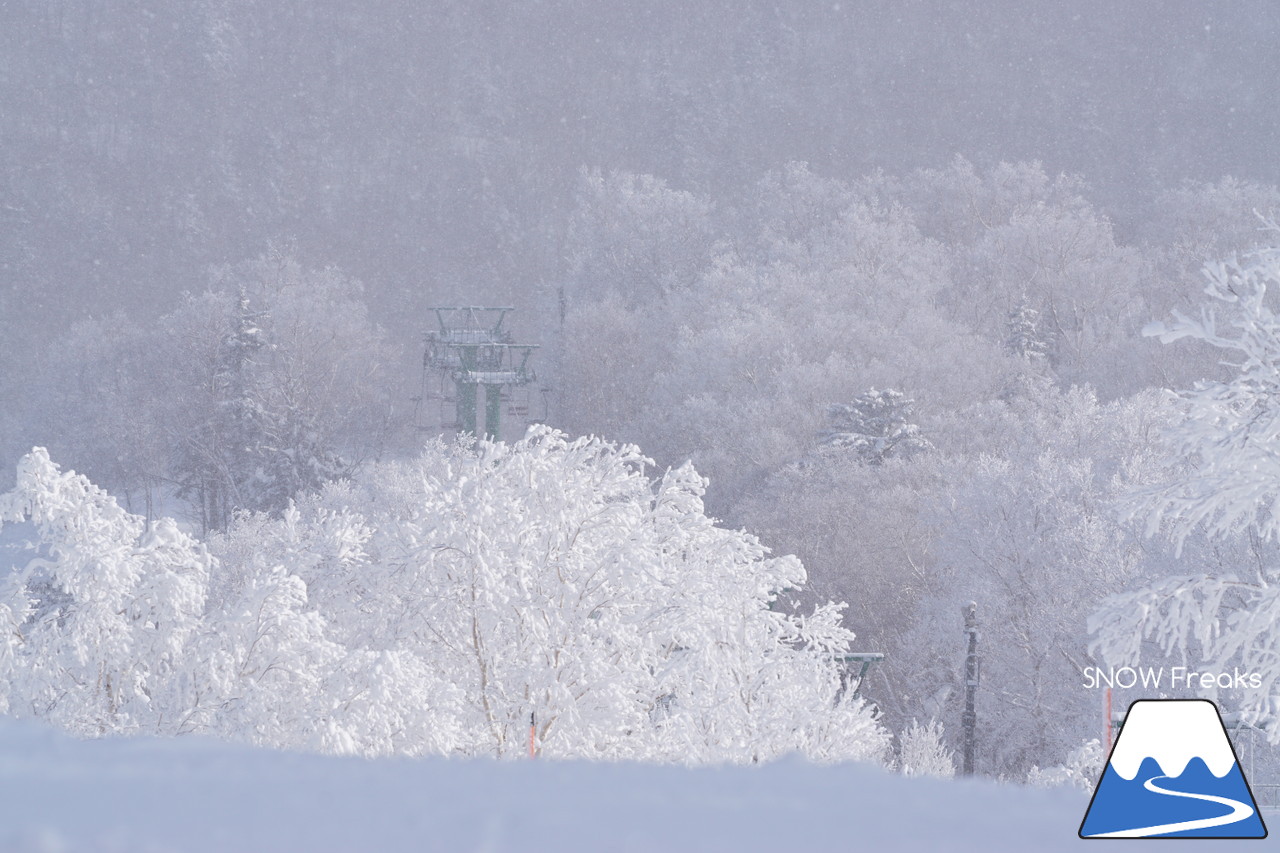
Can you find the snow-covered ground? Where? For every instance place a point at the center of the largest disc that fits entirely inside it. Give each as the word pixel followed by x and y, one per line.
pixel 62 794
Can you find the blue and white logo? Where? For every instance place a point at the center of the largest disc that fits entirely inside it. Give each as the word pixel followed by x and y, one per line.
pixel 1173 774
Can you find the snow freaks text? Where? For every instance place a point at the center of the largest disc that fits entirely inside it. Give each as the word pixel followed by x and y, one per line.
pixel 1174 677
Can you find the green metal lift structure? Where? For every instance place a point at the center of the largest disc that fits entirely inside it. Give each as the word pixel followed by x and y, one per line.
pixel 472 350
pixel 863 660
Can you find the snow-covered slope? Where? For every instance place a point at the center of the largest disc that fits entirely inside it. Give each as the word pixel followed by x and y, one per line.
pixel 60 794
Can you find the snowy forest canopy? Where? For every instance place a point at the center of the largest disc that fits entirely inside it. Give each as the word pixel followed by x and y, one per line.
pixel 743 237
pixel 431 150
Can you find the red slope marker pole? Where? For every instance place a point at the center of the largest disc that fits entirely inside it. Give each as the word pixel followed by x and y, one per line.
pixel 1107 754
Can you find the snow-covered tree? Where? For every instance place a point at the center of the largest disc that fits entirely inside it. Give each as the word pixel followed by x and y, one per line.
pixel 1228 429
pixel 805 292
pixel 216 462
pixel 436 606
pixel 1017 236
pixel 1198 220
pixel 1029 534
pixel 285 378
pixel 922 751
pixel 636 237
pixel 1082 769
pixel 553 579
pixel 790 205
pixel 270 382
pixel 875 426
pixel 859 531
pixel 99 621
pixel 1226 485
pixel 1023 337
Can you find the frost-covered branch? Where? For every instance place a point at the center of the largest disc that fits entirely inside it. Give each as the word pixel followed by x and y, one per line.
pixel 1226 439
pixel 431 607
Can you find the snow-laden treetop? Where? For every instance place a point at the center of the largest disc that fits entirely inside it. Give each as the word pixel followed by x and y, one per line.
pixel 487 598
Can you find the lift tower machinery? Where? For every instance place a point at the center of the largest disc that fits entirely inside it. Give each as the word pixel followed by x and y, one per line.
pixel 471 349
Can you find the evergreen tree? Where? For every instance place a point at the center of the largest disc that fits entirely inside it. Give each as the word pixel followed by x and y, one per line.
pixel 1023 338
pixel 877 425
pixel 219 460
pixel 271 388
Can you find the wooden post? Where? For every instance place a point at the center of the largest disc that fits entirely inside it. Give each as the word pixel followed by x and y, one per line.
pixel 533 725
pixel 969 719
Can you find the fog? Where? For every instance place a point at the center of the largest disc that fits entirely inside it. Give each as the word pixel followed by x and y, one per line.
pixel 880 271
pixel 430 149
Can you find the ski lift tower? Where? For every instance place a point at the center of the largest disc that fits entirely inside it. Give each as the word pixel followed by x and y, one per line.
pixel 473 350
